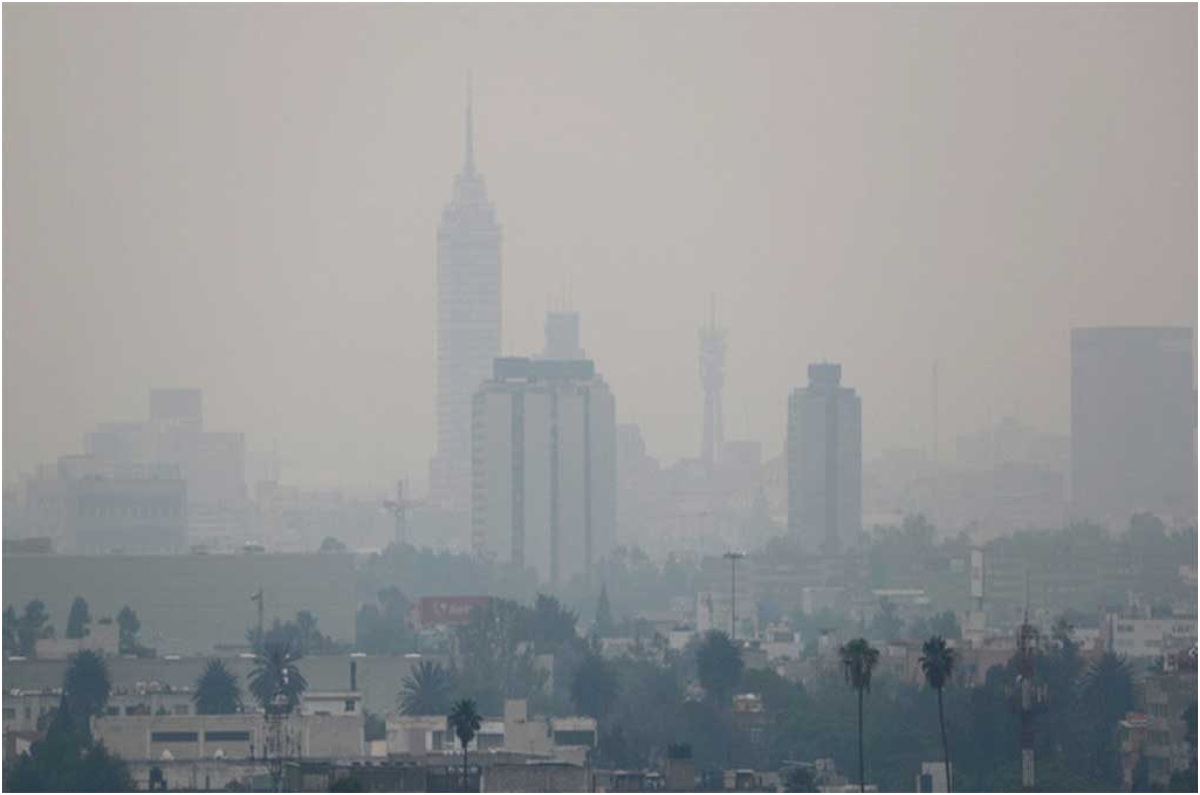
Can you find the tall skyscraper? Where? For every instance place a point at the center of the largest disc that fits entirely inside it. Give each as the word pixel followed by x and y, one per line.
pixel 1133 424
pixel 544 491
pixel 824 454
pixel 562 336
pixel 468 324
pixel 712 378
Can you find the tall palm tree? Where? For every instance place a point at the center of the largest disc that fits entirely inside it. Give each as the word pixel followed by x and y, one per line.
pixel 937 663
pixel 275 681
pixel 859 659
pixel 465 721
pixel 217 690
pixel 426 690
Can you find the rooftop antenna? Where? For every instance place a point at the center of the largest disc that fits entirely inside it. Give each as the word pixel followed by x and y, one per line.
pixel 470 142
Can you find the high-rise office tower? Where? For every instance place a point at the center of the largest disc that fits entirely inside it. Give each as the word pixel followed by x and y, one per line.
pixel 712 378
pixel 562 336
pixel 824 455
pixel 1133 424
pixel 544 491
pixel 468 324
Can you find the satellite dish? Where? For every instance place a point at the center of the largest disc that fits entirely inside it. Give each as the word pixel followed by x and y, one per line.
pixel 167 755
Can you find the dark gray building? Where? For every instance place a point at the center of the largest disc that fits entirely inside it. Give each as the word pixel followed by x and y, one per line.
pixel 1133 424
pixel 824 455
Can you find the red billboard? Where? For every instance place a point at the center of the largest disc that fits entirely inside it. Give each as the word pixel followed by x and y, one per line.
pixel 448 610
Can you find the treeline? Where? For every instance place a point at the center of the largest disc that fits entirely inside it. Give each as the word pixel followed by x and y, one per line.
pixel 22 632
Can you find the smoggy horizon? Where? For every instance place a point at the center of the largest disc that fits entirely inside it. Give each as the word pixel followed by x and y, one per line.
pixel 245 200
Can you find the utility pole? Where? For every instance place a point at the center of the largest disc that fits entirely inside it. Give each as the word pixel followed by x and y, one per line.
pixel 257 596
pixel 733 558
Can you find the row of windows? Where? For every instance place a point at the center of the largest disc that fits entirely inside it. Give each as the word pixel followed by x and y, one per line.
pixel 191 737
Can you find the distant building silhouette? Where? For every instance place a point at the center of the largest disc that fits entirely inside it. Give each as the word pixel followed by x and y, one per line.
pixel 468 324
pixel 712 378
pixel 544 478
pixel 562 336
pixel 824 454
pixel 1133 424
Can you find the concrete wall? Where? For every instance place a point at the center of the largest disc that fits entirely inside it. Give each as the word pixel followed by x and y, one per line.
pixel 379 677
pixel 189 603
pixel 535 778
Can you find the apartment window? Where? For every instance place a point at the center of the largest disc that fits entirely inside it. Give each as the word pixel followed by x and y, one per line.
pixel 349 705
pixel 181 709
pixel 574 738
pixel 227 736
pixel 173 737
pixel 113 711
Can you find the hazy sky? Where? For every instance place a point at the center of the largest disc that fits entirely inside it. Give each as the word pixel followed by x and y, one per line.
pixel 245 199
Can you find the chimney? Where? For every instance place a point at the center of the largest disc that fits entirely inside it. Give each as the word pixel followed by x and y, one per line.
pixel 353 675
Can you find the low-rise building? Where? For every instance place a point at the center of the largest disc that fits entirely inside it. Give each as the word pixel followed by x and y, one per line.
pixel 242 736
pixel 1149 637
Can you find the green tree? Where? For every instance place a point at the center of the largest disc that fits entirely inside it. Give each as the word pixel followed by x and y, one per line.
pixel 1105 695
pixel 937 663
pixel 719 666
pixel 498 659
pixel 86 685
pixel 464 721
pixel 331 544
pixel 275 681
pixel 426 690
pixel 594 685
pixel 859 659
pixel 217 691
pixel 128 627
pixel 79 618
pixel 33 625
pixel 67 760
pixel 12 641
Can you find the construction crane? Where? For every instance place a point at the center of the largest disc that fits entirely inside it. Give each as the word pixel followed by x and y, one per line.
pixel 399 509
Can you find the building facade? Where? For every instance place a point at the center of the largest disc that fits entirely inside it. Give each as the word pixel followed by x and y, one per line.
pixel 468 331
pixel 824 453
pixel 544 472
pixel 1133 424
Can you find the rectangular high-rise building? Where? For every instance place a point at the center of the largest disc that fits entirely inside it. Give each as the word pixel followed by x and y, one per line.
pixel 824 455
pixel 1133 424
pixel 544 467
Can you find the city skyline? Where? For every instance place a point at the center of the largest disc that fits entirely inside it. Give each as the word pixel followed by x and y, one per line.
pixel 293 282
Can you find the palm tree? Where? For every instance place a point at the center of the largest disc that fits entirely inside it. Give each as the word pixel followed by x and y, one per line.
pixel 937 663
pixel 275 681
pixel 859 658
pixel 426 690
pixel 465 721
pixel 217 691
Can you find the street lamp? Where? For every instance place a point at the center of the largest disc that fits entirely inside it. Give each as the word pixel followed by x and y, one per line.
pixel 733 558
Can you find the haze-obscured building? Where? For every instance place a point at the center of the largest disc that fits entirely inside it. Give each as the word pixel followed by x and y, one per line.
pixel 468 330
pixel 544 476
pixel 190 604
pixel 1133 424
pixel 824 451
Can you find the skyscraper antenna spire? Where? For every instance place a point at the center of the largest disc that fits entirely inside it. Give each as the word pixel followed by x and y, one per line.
pixel 470 154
